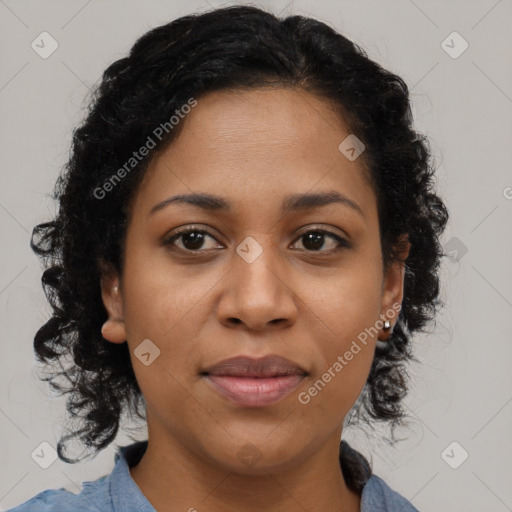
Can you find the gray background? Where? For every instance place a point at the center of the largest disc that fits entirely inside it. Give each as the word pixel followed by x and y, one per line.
pixel 460 392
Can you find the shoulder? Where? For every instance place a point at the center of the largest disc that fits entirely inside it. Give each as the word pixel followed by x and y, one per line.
pixel 377 496
pixel 94 496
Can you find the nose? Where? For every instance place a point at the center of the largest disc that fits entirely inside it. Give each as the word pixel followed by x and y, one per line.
pixel 257 295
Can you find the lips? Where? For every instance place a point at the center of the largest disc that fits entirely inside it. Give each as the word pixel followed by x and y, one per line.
pixel 250 382
pixel 264 367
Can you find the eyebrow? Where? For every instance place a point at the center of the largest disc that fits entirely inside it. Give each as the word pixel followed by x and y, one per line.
pixel 291 203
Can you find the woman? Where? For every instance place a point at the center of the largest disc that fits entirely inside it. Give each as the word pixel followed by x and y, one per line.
pixel 247 240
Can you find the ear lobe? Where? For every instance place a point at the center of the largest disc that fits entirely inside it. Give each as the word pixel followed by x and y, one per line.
pixel 393 283
pixel 113 329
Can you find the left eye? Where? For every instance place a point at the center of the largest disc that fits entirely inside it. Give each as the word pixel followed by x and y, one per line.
pixel 315 239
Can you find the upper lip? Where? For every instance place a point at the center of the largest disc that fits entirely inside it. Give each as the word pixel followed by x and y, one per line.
pixel 243 366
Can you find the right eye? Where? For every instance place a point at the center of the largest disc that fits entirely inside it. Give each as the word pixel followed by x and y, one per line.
pixel 192 239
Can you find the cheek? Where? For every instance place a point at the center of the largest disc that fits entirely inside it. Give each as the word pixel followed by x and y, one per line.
pixel 348 301
pixel 160 298
pixel 343 315
pixel 345 355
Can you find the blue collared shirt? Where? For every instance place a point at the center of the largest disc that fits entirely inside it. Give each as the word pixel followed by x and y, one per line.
pixel 118 492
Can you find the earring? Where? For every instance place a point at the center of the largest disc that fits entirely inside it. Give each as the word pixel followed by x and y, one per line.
pixel 387 325
pixel 116 289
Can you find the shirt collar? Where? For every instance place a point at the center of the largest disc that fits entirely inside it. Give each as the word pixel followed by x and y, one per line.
pixel 125 493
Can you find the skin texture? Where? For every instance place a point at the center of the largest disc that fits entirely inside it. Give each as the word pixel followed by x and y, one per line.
pixel 252 148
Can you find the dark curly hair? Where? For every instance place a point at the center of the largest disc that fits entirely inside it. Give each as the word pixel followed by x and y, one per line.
pixel 232 48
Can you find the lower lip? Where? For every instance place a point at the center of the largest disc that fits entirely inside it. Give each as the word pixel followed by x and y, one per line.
pixel 254 392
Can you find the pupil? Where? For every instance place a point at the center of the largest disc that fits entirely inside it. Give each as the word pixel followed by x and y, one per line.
pixel 314 239
pixel 195 238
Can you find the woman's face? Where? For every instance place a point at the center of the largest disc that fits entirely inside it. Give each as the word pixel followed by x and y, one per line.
pixel 255 284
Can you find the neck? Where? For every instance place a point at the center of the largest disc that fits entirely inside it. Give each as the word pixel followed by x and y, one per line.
pixel 193 483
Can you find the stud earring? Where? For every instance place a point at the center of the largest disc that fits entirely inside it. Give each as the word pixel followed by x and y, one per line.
pixel 387 325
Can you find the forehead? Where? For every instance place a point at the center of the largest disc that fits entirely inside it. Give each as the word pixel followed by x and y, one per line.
pixel 260 121
pixel 256 145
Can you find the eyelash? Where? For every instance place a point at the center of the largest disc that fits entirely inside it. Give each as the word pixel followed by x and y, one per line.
pixel 342 243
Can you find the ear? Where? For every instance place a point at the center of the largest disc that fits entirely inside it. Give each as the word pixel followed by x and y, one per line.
pixel 393 286
pixel 113 329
